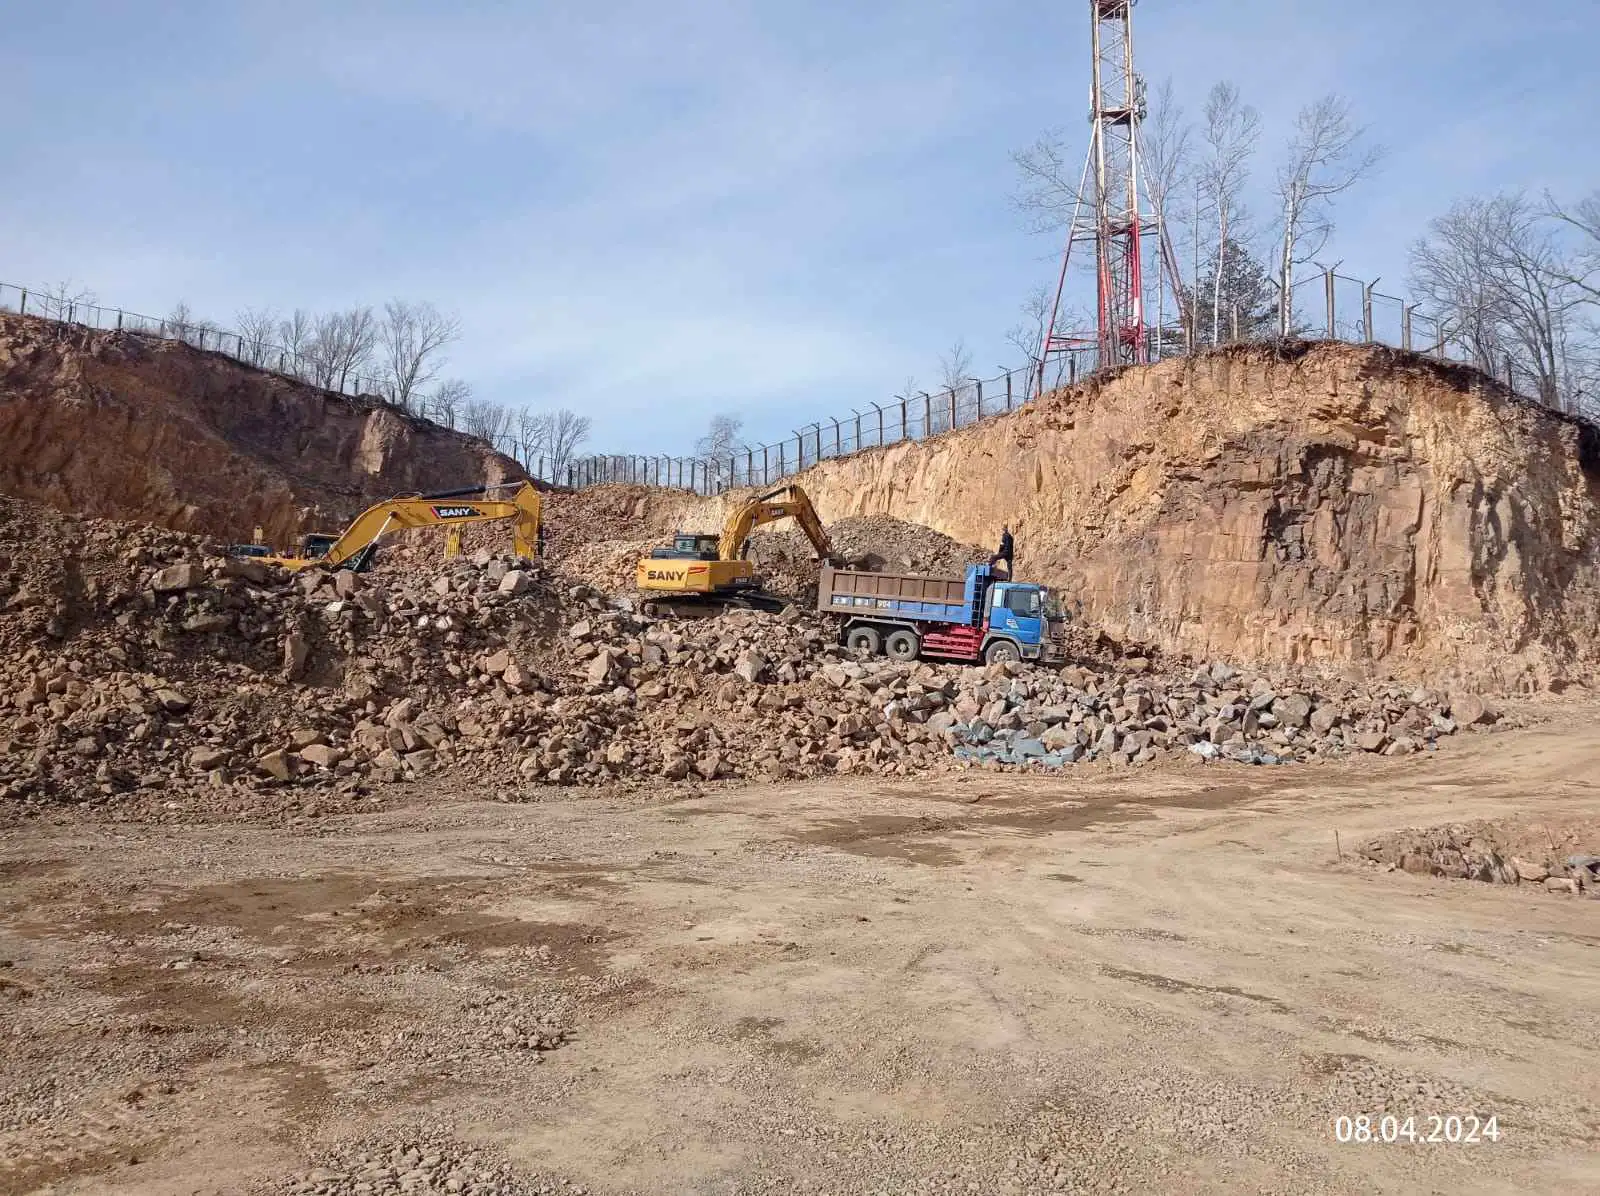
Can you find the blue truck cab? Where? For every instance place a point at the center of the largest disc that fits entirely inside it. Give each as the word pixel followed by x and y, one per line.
pixel 980 616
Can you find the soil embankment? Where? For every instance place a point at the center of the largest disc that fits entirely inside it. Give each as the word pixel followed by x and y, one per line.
pixel 128 427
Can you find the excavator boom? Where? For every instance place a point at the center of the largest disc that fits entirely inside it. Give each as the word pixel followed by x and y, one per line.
pixel 354 546
pixel 786 502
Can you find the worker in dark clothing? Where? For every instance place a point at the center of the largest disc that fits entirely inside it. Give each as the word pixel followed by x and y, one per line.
pixel 1006 549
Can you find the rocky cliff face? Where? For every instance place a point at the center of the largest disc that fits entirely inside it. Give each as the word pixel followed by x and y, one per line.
pixel 1329 504
pixel 105 424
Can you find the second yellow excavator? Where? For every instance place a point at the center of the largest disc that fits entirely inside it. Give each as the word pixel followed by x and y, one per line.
pixel 704 570
pixel 354 547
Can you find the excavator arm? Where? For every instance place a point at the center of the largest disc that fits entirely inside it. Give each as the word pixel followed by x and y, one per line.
pixel 786 502
pixel 524 509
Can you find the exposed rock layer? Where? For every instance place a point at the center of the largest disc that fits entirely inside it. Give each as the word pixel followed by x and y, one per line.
pixel 102 423
pixel 1353 506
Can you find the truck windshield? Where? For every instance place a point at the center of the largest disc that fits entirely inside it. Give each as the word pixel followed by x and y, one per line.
pixel 1053 610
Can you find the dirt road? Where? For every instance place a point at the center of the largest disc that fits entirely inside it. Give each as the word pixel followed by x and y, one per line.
pixel 1118 980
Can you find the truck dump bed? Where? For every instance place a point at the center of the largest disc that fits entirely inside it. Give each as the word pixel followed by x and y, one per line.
pixel 913 596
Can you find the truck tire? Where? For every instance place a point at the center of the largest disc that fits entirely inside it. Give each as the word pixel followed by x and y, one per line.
pixel 1001 650
pixel 864 639
pixel 903 644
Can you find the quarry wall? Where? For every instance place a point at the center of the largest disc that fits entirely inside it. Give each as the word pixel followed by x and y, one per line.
pixel 1352 506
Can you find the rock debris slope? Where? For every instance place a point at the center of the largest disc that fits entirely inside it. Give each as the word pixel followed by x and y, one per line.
pixel 127 427
pixel 140 669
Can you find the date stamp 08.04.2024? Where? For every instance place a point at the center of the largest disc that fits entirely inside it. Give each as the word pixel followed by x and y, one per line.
pixel 1423 1129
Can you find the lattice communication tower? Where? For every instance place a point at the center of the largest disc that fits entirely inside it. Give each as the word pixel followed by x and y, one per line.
pixel 1106 214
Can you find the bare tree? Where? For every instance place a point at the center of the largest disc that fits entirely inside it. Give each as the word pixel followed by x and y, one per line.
pixel 183 325
pixel 62 301
pixel 1166 154
pixel 258 331
pixel 1494 272
pixel 1232 129
pixel 1583 271
pixel 1325 158
pixel 955 366
pixel 1028 334
pixel 567 430
pixel 955 375
pixel 533 434
pixel 717 446
pixel 295 334
pixel 411 338
pixel 1050 182
pixel 1452 273
pixel 341 346
pixel 444 405
pixel 485 419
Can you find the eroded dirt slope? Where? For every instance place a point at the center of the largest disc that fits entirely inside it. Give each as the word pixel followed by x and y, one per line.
pixel 126 427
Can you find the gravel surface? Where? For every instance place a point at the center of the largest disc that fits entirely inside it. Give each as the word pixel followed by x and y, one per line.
pixel 1137 980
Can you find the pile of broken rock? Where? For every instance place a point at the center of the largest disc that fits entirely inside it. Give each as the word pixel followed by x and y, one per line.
pixel 1556 858
pixel 137 667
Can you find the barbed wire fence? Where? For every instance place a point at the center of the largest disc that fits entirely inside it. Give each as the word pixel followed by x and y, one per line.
pixel 1325 305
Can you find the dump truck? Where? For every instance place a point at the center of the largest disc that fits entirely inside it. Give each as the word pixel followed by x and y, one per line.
pixel 355 547
pixel 912 616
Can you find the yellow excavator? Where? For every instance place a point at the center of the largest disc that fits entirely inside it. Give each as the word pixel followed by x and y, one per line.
pixel 700 571
pixel 355 547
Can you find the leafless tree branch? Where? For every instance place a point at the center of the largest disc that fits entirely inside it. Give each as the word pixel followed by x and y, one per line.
pixel 1325 158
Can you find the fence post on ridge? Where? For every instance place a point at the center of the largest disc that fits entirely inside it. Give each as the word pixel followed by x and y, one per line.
pixel 1328 283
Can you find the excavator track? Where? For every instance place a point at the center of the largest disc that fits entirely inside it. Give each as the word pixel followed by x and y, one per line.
pixel 710 605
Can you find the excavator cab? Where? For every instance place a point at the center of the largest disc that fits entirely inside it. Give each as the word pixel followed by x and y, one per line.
pixel 316 544
pixel 688 546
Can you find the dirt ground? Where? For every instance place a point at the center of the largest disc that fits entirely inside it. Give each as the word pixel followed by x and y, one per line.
pixel 1153 980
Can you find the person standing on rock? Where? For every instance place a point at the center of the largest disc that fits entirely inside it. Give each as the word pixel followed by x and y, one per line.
pixel 1006 549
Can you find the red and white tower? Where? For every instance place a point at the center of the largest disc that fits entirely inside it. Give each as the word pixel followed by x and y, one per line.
pixel 1106 214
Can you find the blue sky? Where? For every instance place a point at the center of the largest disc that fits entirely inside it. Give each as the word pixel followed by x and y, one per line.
pixel 655 211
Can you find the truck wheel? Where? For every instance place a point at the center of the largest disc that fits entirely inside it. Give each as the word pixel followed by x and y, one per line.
pixel 864 640
pixel 1001 650
pixel 902 645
